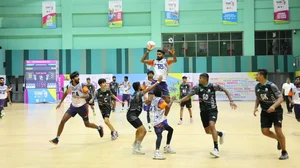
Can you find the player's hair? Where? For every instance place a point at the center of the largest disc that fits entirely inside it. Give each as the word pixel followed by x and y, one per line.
pixel 204 75
pixel 136 86
pixel 101 80
pixel 150 72
pixel 297 77
pixel 157 92
pixel 74 75
pixel 184 77
pixel 88 78
pixel 161 51
pixel 126 77
pixel 114 77
pixel 263 72
pixel 1 78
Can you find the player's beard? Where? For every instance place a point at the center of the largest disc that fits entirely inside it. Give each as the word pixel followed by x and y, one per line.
pixel 1 84
pixel 114 80
pixel 159 58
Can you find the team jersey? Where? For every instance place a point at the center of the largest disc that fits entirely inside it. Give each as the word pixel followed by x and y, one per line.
pixel 136 102
pixel 267 95
pixel 207 96
pixel 295 94
pixel 103 97
pixel 161 68
pixel 77 91
pixel 91 88
pixel 184 90
pixel 146 85
pixel 114 87
pixel 157 110
pixel 126 87
pixel 3 92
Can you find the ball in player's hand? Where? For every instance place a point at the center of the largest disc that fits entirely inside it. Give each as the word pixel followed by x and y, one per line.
pixel 85 89
pixel 150 45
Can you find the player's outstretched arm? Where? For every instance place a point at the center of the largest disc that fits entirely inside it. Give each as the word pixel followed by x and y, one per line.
pixel 278 95
pixel 172 53
pixel 222 89
pixel 153 86
pixel 63 98
pixel 143 59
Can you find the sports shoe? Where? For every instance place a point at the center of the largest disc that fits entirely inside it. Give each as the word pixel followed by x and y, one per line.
pixel 158 156
pixel 137 150
pixel 168 149
pixel 221 139
pixel 113 136
pixel 179 122
pixel 284 156
pixel 101 132
pixel 215 153
pixel 191 120
pixel 54 141
pixel 134 143
pixel 2 115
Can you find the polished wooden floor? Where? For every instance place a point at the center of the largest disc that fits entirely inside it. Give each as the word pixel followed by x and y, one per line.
pixel 26 129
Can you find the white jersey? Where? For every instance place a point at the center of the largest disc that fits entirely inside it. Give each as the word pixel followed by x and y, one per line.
pixel 156 113
pixel 161 68
pixel 3 92
pixel 147 85
pixel 126 87
pixel 296 95
pixel 77 91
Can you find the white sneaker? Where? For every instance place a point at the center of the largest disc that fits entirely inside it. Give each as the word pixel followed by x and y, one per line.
pixel 168 149
pixel 2 115
pixel 158 156
pixel 179 122
pixel 137 151
pixel 215 153
pixel 221 138
pixel 191 120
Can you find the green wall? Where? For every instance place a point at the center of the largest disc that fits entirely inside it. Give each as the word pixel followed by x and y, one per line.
pixel 82 28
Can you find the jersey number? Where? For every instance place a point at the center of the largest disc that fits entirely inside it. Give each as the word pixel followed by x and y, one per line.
pixel 263 96
pixel 2 91
pixel 160 66
pixel 205 96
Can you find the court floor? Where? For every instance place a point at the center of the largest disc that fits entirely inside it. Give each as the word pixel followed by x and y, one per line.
pixel 26 130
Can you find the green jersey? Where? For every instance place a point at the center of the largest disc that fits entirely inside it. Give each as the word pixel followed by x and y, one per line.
pixel 267 95
pixel 207 96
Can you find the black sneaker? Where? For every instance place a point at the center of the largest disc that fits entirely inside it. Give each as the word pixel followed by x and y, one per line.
pixel 101 132
pixel 54 141
pixel 278 146
pixel 284 156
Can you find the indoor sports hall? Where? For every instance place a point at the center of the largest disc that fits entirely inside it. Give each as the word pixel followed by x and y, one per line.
pixel 126 68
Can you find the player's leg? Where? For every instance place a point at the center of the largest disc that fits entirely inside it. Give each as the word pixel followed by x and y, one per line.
pixel 128 100
pixel 93 108
pixel 181 113
pixel 71 112
pixel 158 131
pixel 189 107
pixel 167 148
pixel 123 101
pixel 84 114
pixel 139 135
pixel 105 111
pixel 113 104
pixel 277 120
pixel 297 112
pixel 2 114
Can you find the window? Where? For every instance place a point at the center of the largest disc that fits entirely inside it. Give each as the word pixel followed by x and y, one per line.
pixel 205 44
pixel 273 42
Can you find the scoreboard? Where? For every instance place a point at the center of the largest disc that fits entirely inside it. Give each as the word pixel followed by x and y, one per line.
pixel 41 74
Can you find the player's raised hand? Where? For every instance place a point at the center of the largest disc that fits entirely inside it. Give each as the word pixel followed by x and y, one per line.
pixel 160 78
pixel 172 51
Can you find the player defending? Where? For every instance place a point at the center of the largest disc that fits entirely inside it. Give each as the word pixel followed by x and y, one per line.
pixel 4 94
pixel 104 95
pixel 158 106
pixel 115 90
pixel 91 88
pixel 146 85
pixel 78 106
pixel 269 97
pixel 208 108
pixel 134 111
pixel 161 68
pixel 294 97
pixel 184 89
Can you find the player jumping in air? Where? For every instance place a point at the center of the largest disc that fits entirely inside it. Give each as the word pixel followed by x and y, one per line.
pixel 78 106
pixel 161 68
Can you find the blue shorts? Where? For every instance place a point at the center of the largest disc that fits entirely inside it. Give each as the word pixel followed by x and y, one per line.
pixel 2 102
pixel 82 111
pixel 163 86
